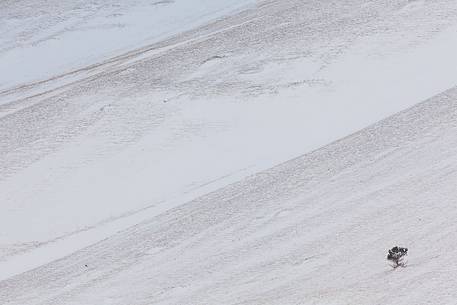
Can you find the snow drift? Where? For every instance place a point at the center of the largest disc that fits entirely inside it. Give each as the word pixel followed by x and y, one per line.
pixel 104 158
pixel 313 230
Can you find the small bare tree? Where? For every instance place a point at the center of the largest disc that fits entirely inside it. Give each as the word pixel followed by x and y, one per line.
pixel 396 256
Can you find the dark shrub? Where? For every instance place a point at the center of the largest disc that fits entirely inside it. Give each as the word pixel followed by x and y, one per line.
pixel 396 256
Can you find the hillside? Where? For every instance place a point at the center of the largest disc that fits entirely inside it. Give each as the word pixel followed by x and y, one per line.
pixel 154 159
pixel 313 230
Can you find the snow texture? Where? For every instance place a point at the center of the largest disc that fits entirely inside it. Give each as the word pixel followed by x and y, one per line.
pixel 141 169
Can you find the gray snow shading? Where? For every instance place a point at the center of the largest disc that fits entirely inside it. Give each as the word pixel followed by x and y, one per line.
pixel 313 230
pixel 144 169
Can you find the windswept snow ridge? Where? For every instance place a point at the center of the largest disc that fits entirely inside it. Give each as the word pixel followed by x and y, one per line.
pixel 143 107
pixel 310 231
pixel 43 39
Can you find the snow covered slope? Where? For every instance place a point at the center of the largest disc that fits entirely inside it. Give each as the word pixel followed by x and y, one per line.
pixel 123 137
pixel 41 39
pixel 313 230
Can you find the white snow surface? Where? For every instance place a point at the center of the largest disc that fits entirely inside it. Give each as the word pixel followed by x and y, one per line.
pixel 123 154
pixel 313 230
pixel 44 39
